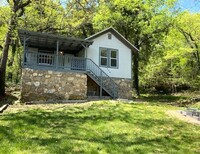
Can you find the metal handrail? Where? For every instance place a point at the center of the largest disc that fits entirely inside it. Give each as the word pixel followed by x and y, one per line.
pixel 112 85
pixel 101 70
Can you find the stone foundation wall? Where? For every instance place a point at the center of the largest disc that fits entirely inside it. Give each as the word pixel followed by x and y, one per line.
pixel 125 88
pixel 92 88
pixel 44 85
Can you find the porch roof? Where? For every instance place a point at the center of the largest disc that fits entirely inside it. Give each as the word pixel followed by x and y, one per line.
pixel 49 41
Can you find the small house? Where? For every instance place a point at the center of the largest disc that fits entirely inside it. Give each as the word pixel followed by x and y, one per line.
pixel 66 68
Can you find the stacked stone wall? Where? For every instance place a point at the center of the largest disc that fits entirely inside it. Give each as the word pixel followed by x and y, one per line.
pixel 125 90
pixel 44 85
pixel 92 88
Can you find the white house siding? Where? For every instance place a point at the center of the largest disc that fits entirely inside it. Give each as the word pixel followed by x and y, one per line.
pixel 124 55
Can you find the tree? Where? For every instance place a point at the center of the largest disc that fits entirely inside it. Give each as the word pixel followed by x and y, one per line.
pixel 43 16
pixel 72 18
pixel 174 64
pixel 189 26
pixel 17 8
pixel 143 23
pixel 79 17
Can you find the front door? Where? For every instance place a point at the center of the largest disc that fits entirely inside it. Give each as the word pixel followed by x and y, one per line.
pixel 67 60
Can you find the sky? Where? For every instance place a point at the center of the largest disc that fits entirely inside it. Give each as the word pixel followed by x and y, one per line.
pixel 190 5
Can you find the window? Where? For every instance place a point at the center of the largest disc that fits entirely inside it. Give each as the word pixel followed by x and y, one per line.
pixel 108 57
pixel 104 57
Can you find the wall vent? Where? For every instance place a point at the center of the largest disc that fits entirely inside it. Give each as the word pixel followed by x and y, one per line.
pixel 109 36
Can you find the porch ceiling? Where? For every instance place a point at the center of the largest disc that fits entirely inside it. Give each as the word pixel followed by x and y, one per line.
pixel 49 41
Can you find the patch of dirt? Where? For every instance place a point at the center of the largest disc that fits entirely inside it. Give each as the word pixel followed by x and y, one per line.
pixel 47 107
pixel 180 116
pixel 21 108
pixel 7 99
pixel 11 96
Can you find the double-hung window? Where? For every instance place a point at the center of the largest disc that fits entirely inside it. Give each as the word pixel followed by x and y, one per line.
pixel 109 58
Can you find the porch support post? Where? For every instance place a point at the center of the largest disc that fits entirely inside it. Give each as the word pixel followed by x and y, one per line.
pixel 57 50
pixel 101 85
pixel 24 55
pixel 24 46
pixel 85 54
pixel 85 47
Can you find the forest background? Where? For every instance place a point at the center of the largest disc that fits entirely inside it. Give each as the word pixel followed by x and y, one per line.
pixel 167 35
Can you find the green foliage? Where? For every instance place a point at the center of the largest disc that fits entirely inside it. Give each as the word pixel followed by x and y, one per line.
pixel 79 15
pixel 175 62
pixel 14 70
pixel 168 39
pixel 96 127
pixel 43 16
pixel 143 23
pixel 197 105
pixel 4 17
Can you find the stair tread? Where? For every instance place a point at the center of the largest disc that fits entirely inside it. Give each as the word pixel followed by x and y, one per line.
pixel 105 85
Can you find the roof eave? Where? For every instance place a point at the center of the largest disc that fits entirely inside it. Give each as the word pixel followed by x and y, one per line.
pixel 118 35
pixel 52 36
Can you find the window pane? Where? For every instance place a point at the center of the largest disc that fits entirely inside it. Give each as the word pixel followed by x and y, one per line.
pixel 104 61
pixel 103 52
pixel 113 54
pixel 113 62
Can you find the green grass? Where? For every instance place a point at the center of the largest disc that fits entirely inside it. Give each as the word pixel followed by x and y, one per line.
pixel 163 98
pixel 196 105
pixel 96 127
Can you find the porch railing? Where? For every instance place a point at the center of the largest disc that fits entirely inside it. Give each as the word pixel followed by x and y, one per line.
pixel 54 61
pixel 65 62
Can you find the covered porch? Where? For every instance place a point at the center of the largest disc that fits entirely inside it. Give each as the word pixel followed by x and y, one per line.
pixel 47 51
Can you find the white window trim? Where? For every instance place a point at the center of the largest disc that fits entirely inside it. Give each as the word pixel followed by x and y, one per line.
pixel 109 58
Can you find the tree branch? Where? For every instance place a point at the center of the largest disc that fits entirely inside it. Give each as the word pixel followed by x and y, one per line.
pixel 191 41
pixel 18 6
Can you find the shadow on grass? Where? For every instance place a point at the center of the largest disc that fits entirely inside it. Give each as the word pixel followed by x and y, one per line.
pixel 88 130
pixel 162 98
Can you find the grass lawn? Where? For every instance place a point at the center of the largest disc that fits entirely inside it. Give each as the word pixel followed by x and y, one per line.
pixel 96 127
pixel 196 105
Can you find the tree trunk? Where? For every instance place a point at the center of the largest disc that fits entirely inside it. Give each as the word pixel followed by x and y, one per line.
pixel 5 54
pixel 12 25
pixel 3 62
pixel 198 61
pixel 135 72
